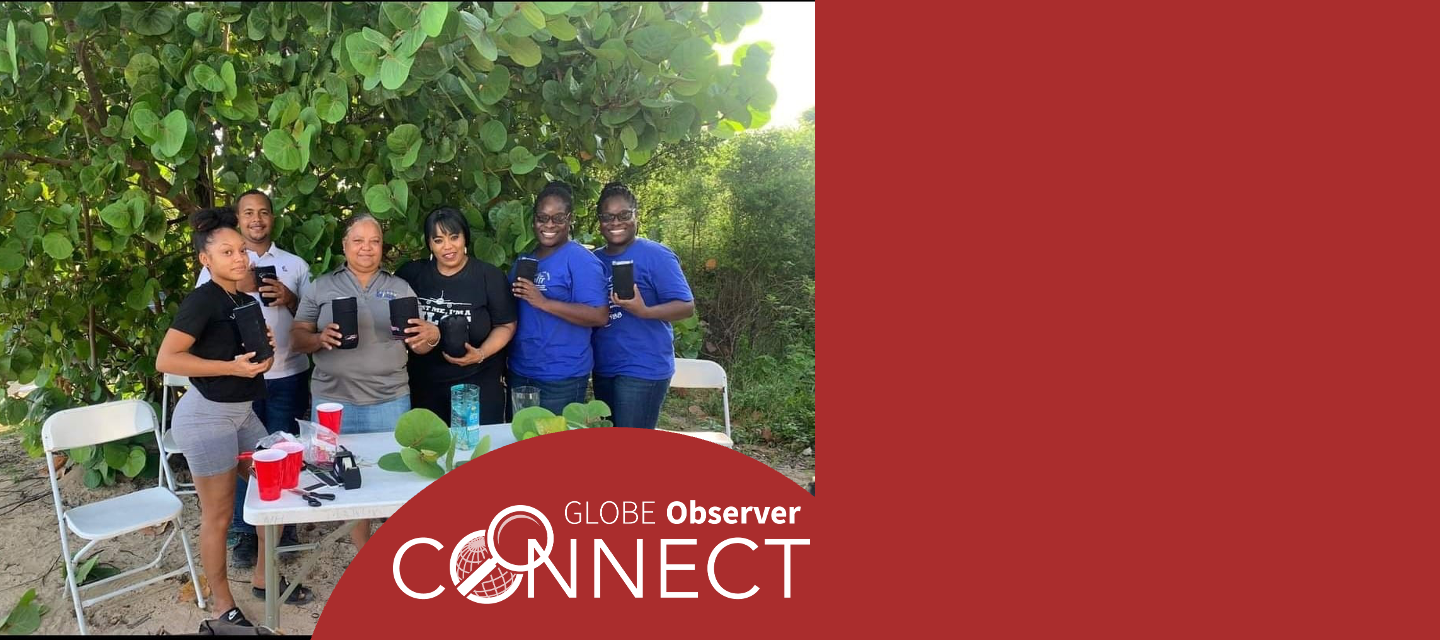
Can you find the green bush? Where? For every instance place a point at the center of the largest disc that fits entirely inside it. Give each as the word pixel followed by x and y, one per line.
pixel 689 337
pixel 779 389
pixel 132 457
pixel 118 120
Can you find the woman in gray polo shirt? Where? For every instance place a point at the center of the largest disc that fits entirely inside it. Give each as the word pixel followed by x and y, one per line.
pixel 369 381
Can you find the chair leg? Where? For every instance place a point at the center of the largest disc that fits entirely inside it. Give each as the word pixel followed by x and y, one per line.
pixel 190 561
pixel 165 479
pixel 74 589
pixel 725 395
pixel 75 597
pixel 70 584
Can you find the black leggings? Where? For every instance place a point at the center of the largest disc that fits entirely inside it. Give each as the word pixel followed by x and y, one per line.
pixel 435 396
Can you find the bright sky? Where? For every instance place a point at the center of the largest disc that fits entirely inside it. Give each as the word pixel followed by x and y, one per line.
pixel 790 26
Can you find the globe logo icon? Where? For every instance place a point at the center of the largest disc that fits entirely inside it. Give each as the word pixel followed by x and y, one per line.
pixel 473 554
pixel 478 570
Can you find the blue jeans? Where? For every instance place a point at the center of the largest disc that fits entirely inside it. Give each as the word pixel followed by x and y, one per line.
pixel 554 394
pixel 635 402
pixel 368 418
pixel 287 399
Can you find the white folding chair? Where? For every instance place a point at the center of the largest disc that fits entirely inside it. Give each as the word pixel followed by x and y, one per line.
pixel 167 439
pixel 704 374
pixel 112 517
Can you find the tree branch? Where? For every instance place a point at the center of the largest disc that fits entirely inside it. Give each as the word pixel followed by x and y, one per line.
pixel 116 340
pixel 19 155
pixel 156 185
pixel 161 187
pixel 89 253
pixel 97 109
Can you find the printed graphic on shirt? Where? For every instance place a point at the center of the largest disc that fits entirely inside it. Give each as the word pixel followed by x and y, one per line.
pixel 386 294
pixel 435 309
pixel 541 278
pixel 615 311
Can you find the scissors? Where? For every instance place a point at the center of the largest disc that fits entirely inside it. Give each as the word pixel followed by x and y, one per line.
pixel 310 497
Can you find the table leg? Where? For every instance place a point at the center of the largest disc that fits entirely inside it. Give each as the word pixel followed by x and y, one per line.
pixel 272 577
pixel 272 572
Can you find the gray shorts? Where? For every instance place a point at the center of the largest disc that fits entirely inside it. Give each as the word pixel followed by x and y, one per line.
pixel 210 434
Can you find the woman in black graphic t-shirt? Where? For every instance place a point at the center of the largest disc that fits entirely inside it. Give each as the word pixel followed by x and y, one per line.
pixel 453 283
pixel 215 422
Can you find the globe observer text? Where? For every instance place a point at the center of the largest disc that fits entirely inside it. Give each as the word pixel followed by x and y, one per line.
pixel 627 512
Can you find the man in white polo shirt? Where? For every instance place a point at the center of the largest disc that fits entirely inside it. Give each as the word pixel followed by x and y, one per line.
pixel 287 384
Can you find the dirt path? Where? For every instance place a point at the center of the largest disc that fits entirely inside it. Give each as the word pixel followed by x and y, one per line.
pixel 30 554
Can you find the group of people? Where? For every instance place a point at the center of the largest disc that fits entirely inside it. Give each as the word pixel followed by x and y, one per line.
pixel 557 331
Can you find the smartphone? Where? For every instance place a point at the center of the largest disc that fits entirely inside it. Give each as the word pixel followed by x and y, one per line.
pixel 261 274
pixel 623 280
pixel 526 268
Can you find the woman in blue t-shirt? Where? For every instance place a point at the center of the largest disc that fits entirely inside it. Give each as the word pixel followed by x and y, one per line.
pixel 635 352
pixel 558 310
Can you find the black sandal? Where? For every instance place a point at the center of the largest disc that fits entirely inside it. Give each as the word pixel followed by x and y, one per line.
pixel 301 594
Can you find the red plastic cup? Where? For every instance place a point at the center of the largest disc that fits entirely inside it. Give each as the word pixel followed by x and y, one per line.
pixel 329 414
pixel 294 461
pixel 269 468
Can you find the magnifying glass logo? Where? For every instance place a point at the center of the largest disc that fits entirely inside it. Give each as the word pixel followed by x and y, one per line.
pixel 483 544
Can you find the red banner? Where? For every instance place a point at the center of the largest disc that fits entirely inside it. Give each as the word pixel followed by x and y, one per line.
pixel 644 528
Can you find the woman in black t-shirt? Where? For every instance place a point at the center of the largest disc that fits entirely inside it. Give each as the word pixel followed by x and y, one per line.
pixel 453 283
pixel 215 422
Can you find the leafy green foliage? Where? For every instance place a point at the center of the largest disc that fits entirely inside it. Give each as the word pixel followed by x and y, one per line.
pixel 422 429
pixel 525 421
pixel 102 463
pixel 393 462
pixel 689 337
pixel 117 120
pixel 536 421
pixel 423 439
pixel 92 571
pixel 587 415
pixel 24 618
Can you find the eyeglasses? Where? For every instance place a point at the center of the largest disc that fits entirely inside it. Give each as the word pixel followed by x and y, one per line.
pixel 557 219
pixel 624 216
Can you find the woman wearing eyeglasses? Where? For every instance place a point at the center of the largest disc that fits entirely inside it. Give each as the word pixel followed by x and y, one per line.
pixel 557 310
pixel 635 352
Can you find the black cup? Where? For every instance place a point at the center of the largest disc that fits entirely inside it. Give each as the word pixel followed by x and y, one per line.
pixel 251 323
pixel 454 332
pixel 261 274
pixel 526 268
pixel 479 326
pixel 623 280
pixel 402 310
pixel 344 311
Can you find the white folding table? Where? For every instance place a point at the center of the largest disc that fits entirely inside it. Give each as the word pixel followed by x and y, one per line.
pixel 380 495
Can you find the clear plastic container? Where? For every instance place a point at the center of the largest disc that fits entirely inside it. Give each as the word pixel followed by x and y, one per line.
pixel 465 416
